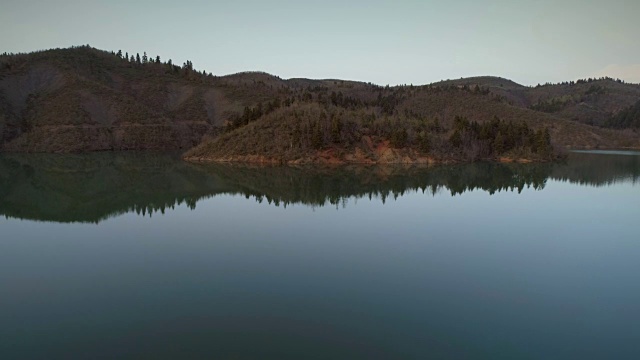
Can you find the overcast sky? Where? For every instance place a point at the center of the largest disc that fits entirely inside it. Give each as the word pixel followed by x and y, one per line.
pixel 385 42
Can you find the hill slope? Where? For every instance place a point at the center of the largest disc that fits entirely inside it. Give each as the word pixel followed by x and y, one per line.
pixel 589 101
pixel 83 99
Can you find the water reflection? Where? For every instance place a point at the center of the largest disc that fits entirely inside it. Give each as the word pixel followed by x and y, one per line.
pixel 599 168
pixel 94 187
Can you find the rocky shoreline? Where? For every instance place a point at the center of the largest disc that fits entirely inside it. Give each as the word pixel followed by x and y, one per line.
pixel 382 156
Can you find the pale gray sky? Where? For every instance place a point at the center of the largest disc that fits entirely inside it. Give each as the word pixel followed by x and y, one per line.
pixel 385 42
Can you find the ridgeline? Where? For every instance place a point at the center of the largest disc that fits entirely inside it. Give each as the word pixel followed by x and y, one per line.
pixel 82 99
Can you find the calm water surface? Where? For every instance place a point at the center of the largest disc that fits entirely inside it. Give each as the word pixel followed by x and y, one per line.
pixel 144 256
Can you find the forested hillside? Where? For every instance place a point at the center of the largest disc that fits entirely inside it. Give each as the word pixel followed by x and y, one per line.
pixel 83 99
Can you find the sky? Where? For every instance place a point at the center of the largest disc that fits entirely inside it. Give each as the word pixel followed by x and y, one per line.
pixel 384 42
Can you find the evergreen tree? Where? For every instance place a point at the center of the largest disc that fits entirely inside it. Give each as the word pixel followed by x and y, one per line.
pixel 498 144
pixel 436 126
pixel 187 67
pixel 456 138
pixel 548 148
pixel 424 144
pixel 542 143
pixel 297 134
pixel 138 61
pixel 317 137
pixel 399 138
pixel 336 128
pixel 247 115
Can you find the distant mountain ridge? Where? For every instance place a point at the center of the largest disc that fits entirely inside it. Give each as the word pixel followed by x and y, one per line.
pixel 83 99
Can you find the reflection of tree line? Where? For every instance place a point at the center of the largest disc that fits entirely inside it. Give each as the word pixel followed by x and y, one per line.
pixel 321 186
pixel 91 188
pixel 598 169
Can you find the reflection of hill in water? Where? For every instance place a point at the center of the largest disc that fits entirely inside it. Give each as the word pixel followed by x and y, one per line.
pixel 93 187
pixel 89 188
pixel 599 169
pixel 319 186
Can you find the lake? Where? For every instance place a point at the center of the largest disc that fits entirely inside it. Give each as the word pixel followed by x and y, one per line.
pixel 141 255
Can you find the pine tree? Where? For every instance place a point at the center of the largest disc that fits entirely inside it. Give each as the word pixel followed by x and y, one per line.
pixel 247 115
pixel 188 67
pixel 336 128
pixel 546 141
pixel 456 139
pixel 436 126
pixel 399 138
pixel 317 137
pixel 542 143
pixel 498 144
pixel 138 59
pixel 297 134
pixel 424 144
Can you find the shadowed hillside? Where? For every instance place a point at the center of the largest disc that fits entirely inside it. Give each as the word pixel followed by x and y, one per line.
pixel 588 101
pixel 83 99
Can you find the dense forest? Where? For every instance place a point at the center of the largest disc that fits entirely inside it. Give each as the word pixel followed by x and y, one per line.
pixel 627 118
pixel 349 133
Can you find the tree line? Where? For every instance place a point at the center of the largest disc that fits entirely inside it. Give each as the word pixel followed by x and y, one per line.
pixel 186 70
pixel 627 118
pixel 498 137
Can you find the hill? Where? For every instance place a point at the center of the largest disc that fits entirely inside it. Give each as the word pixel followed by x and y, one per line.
pixel 83 99
pixel 591 101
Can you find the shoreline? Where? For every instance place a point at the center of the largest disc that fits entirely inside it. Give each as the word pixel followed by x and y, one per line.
pixel 262 160
pixel 382 153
